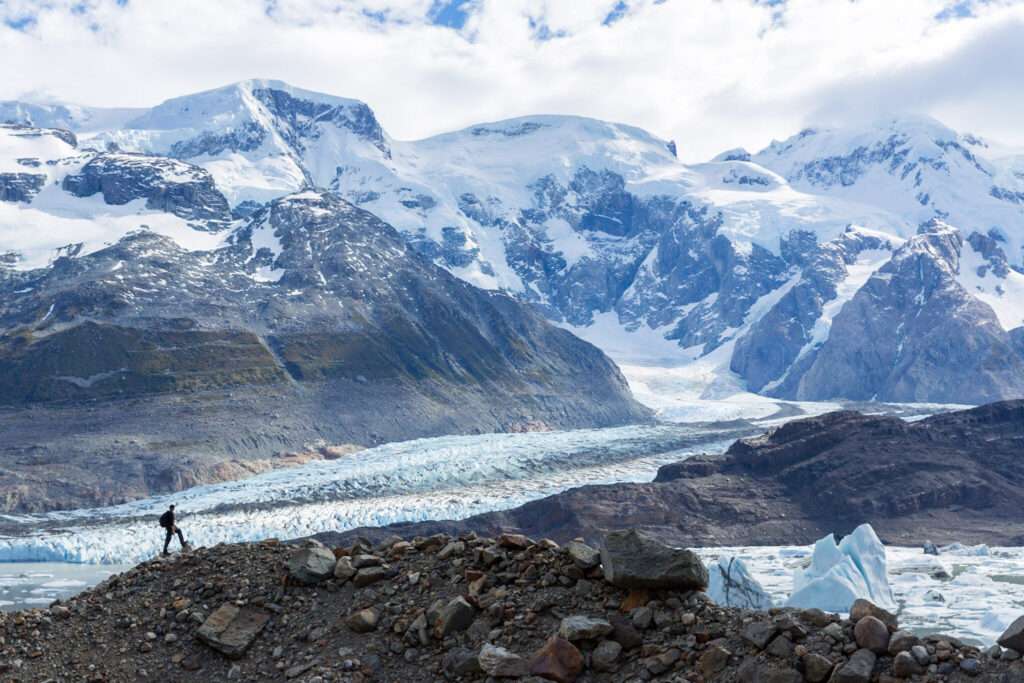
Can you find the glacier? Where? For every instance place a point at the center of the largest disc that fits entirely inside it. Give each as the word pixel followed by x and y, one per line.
pixel 439 478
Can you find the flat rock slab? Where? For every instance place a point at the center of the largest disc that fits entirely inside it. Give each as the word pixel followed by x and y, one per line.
pixel 230 630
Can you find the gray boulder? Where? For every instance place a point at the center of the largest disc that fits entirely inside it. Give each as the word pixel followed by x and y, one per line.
pixel 457 615
pixel 1013 637
pixel 500 663
pixel 858 669
pixel 578 627
pixel 905 665
pixel 635 559
pixel 311 565
pixel 583 555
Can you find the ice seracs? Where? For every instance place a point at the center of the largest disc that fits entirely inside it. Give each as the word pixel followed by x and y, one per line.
pixel 841 573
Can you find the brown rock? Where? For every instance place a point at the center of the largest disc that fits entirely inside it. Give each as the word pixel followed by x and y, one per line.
pixel 638 597
pixel 865 608
pixel 231 629
pixel 872 634
pixel 558 660
pixel 371 575
pixel 363 621
pixel 514 541
pixel 713 660
pixel 624 633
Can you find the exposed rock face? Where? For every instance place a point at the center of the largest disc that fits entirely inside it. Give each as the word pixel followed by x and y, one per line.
pixel 156 618
pixel 950 477
pixel 779 343
pixel 20 187
pixel 167 185
pixel 316 302
pixel 944 335
pixel 699 255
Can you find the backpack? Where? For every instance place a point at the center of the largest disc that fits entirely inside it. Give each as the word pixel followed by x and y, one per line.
pixel 165 520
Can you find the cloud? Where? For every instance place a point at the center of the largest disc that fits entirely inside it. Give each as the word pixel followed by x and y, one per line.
pixel 712 74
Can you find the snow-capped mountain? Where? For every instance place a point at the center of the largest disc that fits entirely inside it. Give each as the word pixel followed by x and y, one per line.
pixel 783 272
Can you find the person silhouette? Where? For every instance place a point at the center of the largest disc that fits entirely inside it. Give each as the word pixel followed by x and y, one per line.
pixel 168 523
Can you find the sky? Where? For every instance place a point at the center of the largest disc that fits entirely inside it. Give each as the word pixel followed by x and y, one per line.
pixel 710 74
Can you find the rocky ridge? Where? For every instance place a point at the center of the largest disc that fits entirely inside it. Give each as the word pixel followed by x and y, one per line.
pixel 464 608
pixel 954 476
pixel 291 335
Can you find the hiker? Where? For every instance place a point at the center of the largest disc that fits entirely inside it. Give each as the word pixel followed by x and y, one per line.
pixel 167 522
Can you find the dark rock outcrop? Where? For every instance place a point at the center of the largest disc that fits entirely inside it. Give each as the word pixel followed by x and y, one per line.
pixel 166 184
pixel 912 333
pixel 20 187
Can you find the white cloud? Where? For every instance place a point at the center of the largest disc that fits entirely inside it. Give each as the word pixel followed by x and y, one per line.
pixel 712 74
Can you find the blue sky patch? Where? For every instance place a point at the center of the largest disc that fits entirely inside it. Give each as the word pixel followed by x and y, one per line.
pixel 617 13
pixel 22 23
pixel 450 13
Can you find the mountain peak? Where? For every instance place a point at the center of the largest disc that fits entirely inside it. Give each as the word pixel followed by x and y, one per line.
pixel 219 106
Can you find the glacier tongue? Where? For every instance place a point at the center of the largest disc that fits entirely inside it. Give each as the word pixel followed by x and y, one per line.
pixel 438 478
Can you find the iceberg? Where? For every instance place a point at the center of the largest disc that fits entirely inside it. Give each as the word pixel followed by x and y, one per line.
pixel 732 585
pixel 841 573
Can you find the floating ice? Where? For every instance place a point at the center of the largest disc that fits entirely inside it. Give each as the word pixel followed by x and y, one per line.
pixel 839 574
pixel 732 584
pixel 965 550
